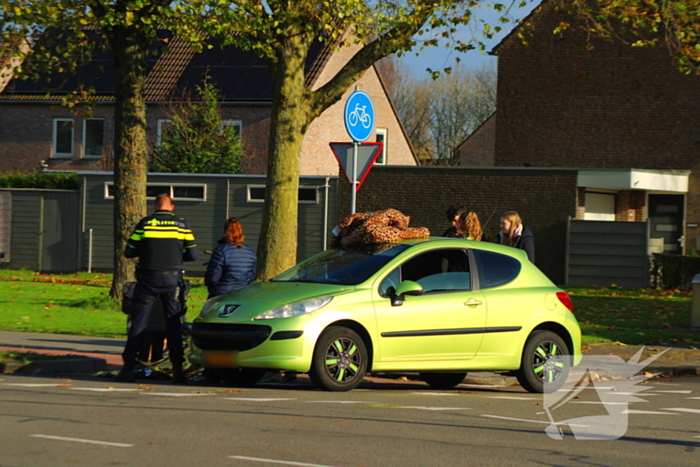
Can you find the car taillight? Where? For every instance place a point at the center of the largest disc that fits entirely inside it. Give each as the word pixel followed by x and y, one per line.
pixel 566 300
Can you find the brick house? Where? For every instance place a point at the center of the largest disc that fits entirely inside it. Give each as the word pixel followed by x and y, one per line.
pixel 36 131
pixel 622 115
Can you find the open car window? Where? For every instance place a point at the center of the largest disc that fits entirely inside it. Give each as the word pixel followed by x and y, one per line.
pixel 444 270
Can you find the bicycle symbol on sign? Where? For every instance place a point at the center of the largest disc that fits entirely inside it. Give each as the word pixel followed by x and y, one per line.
pixel 360 115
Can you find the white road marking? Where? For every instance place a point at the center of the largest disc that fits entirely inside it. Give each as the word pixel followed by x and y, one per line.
pixel 275 461
pixel 343 402
pixel 430 408
pixel 682 409
pixel 36 385
pixel 646 412
pixel 533 421
pixel 515 398
pixel 107 389
pixel 172 394
pixel 692 397
pixel 260 399
pixel 599 402
pixel 588 387
pixel 436 393
pixel 485 386
pixel 674 392
pixel 630 394
pixel 78 440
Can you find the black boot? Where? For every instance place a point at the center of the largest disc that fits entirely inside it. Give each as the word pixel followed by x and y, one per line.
pixel 125 375
pixel 179 377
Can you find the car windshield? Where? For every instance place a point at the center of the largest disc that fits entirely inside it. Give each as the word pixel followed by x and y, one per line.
pixel 346 266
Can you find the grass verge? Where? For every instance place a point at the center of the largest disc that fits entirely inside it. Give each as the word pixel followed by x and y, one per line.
pixel 80 304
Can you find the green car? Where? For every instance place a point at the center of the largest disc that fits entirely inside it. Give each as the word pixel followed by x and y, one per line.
pixel 436 306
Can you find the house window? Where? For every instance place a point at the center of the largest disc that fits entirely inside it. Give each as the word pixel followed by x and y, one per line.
pixel 307 194
pixel 177 191
pixel 93 137
pixel 381 137
pixel 164 124
pixel 236 124
pixel 62 137
pixel 600 207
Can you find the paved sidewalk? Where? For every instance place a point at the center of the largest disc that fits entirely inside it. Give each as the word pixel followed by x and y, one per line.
pixel 106 355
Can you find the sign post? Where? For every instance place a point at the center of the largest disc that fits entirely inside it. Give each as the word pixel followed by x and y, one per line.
pixel 359 123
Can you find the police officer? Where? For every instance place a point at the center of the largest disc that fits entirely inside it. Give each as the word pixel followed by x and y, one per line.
pixel 161 241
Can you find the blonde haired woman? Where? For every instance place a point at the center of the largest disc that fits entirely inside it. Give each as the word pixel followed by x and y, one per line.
pixel 514 233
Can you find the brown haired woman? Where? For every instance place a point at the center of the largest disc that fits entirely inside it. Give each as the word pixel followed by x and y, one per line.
pixel 514 233
pixel 469 226
pixel 233 264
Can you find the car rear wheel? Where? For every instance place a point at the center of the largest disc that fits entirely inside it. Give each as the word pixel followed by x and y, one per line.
pixel 240 377
pixel 443 380
pixel 545 363
pixel 339 361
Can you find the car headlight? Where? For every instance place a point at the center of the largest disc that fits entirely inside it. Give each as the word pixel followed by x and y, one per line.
pixel 295 309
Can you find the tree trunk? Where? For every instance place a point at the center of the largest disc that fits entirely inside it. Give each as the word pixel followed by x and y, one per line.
pixel 277 249
pixel 130 50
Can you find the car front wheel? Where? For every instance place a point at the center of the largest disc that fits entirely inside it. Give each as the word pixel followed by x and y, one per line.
pixel 545 363
pixel 443 380
pixel 339 361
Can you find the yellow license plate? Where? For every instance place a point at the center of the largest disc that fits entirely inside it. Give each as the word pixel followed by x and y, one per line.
pixel 220 359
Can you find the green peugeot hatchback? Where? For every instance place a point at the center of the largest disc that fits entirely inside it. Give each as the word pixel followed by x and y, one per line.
pixel 437 306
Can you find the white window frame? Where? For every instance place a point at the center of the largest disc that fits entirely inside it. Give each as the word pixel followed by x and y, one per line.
pixel 250 199
pixel 85 123
pixel 168 188
pixel 234 123
pixel 385 133
pixel 54 141
pixel 159 129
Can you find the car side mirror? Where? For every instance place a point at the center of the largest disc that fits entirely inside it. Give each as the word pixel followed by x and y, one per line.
pixel 405 288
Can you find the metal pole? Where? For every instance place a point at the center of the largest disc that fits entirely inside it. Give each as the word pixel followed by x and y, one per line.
pixel 90 250
pixel 353 195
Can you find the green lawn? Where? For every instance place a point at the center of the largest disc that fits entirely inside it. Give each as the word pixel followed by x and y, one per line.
pixel 79 304
pixel 68 304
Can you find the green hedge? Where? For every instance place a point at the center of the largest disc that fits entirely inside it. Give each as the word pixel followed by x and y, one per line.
pixel 41 180
pixel 674 271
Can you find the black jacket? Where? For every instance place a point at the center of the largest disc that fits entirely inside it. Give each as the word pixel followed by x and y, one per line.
pixel 524 241
pixel 161 241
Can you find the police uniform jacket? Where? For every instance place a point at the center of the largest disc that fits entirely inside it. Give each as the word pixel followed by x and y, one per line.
pixel 161 241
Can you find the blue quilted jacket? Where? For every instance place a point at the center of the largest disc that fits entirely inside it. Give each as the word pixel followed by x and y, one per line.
pixel 230 268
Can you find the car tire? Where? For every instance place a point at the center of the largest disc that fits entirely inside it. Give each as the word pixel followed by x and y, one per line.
pixel 545 363
pixel 443 380
pixel 339 360
pixel 240 377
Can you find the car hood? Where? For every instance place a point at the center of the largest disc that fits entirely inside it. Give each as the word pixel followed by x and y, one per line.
pixel 263 296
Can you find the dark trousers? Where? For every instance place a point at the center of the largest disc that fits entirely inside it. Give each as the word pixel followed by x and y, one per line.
pixel 148 290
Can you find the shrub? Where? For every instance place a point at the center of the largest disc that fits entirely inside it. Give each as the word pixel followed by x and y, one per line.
pixel 674 271
pixel 40 180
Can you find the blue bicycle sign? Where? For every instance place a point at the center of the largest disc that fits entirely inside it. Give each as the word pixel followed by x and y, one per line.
pixel 359 116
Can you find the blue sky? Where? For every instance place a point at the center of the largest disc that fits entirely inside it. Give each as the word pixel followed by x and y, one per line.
pixel 440 57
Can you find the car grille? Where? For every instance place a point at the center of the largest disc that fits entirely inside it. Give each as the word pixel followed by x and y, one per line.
pixel 214 336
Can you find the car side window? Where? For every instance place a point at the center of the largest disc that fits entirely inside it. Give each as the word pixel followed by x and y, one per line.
pixel 495 269
pixel 436 271
pixel 390 283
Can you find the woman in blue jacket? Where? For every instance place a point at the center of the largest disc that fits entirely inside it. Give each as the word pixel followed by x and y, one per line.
pixel 233 263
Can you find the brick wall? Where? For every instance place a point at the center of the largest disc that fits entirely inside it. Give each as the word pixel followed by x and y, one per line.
pixel 614 106
pixel 543 197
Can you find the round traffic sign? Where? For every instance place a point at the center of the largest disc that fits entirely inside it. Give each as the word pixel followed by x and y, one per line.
pixel 359 116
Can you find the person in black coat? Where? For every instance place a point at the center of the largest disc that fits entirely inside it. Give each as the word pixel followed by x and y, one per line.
pixel 453 214
pixel 514 233
pixel 233 264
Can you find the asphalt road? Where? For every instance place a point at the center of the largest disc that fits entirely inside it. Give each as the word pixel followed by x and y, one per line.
pixel 49 421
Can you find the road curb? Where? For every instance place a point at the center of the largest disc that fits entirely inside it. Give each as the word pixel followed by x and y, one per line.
pixel 68 365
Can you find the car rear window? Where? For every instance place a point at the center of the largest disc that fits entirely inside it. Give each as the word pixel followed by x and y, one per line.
pixel 495 269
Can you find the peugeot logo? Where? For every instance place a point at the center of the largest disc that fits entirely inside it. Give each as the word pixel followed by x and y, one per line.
pixel 227 310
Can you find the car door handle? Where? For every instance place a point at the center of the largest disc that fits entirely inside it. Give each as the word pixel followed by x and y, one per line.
pixel 473 302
